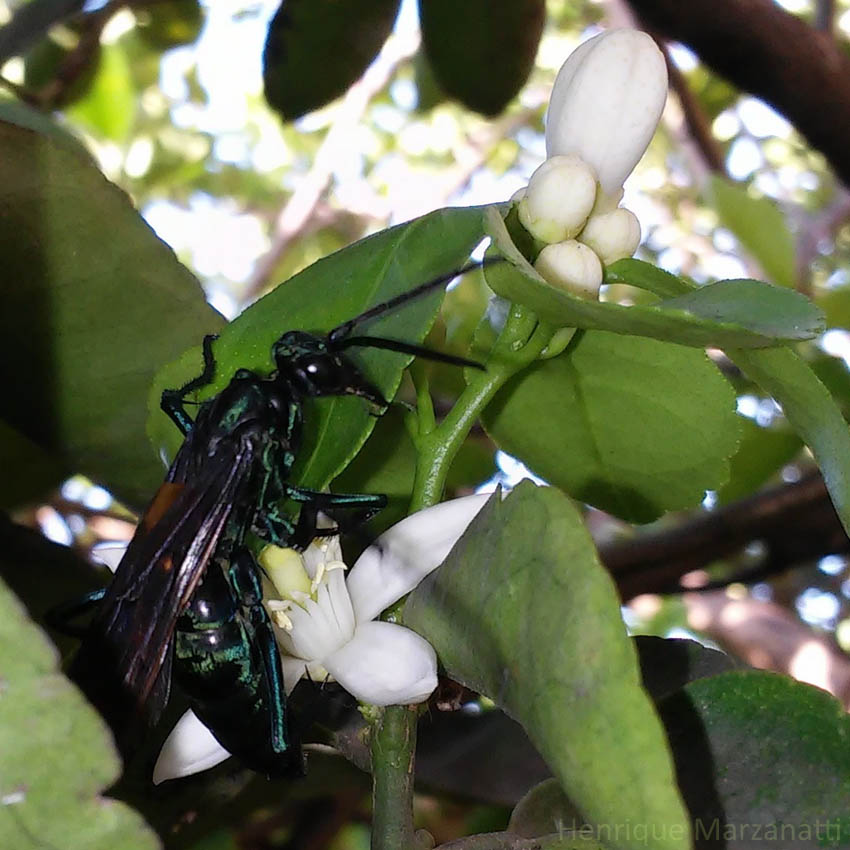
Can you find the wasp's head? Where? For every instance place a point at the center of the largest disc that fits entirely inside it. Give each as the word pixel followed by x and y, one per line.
pixel 313 367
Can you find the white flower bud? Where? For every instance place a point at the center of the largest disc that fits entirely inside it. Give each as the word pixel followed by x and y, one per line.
pixel 571 266
pixel 559 198
pixel 612 235
pixel 606 102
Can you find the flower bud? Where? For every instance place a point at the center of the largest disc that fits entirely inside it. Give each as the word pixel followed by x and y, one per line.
pixel 571 266
pixel 606 102
pixel 612 235
pixel 559 198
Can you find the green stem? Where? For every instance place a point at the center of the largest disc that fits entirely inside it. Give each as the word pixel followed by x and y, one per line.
pixel 519 344
pixel 393 750
pixel 394 731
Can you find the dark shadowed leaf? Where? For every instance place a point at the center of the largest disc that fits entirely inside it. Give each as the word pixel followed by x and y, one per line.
pixel 482 51
pixel 762 760
pixel 92 304
pixel 316 49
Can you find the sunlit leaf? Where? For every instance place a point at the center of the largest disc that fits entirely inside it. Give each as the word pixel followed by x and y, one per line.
pixel 330 291
pixel 109 107
pixel 630 425
pixel 523 612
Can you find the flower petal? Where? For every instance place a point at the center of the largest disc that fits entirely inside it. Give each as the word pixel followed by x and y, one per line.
pixel 385 664
pixel 190 748
pixel 293 670
pixel 606 103
pixel 404 554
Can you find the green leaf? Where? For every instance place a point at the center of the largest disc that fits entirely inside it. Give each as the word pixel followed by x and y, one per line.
pixel 46 67
pixel 630 425
pixel 740 313
pixel 835 304
pixel 57 757
pixel 316 49
pixel 109 107
pixel 761 454
pixel 523 612
pixel 28 471
pixel 322 296
pixel 812 413
pixel 542 809
pixel 15 112
pixel 809 408
pixel 482 51
pixel 758 225
pixel 93 303
pixel 386 464
pixel 758 753
pixel 648 277
pixel 169 23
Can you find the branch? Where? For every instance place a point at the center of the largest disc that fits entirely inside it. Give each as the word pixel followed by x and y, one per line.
pixel 796 523
pixel 31 22
pixel 295 217
pixel 770 637
pixel 773 55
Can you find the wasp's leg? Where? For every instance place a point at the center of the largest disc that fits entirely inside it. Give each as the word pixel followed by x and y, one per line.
pixel 274 527
pixel 366 505
pixel 173 400
pixel 61 617
pixel 373 502
pixel 244 576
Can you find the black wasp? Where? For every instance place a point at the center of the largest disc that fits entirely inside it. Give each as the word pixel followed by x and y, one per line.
pixel 186 599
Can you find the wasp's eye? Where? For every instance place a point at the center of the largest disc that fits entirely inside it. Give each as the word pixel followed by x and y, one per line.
pixel 319 370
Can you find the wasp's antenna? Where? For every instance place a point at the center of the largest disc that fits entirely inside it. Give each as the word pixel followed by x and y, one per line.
pixel 340 332
pixel 408 348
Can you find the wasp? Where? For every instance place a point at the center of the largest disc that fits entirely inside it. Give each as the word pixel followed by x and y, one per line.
pixel 185 603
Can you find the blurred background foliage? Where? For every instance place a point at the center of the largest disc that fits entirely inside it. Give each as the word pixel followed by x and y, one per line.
pixel 256 138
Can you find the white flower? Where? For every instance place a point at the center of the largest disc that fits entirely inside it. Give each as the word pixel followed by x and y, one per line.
pixel 326 624
pixel 605 105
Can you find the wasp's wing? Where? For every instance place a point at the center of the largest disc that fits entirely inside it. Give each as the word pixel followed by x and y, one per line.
pixel 123 665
